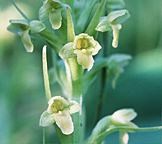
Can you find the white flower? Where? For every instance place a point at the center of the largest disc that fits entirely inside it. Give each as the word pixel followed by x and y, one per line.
pixel 123 116
pixel 59 110
pixel 52 9
pixel 113 22
pixel 84 47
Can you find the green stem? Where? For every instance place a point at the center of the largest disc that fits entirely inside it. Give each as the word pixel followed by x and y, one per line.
pixel 19 10
pixel 103 78
pixel 74 72
pixel 44 136
pixel 109 131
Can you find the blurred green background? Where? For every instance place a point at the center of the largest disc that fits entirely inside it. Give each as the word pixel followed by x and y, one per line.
pixel 22 97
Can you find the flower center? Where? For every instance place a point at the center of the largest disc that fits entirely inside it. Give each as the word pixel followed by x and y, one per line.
pixel 58 106
pixel 82 43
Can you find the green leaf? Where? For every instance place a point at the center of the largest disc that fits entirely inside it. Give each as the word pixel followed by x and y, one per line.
pixel 85 14
pixel 115 4
pixel 95 19
pixel 70 25
pixel 25 38
pixel 116 64
pixel 18 26
pixel 36 26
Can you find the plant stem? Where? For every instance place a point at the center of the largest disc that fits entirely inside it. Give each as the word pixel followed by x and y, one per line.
pixel 75 73
pixel 103 78
pixel 19 10
pixel 127 129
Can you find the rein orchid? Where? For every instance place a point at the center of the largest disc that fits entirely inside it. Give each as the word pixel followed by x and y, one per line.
pixel 84 48
pixel 59 111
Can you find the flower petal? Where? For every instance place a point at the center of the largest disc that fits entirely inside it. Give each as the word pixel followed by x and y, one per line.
pixel 18 26
pixel 96 49
pixel 103 25
pixel 85 60
pixel 116 29
pixel 37 26
pixel 124 116
pixel 46 119
pixel 67 51
pixel 124 137
pixel 114 15
pixel 75 107
pixel 64 122
pixel 55 18
pixel 26 40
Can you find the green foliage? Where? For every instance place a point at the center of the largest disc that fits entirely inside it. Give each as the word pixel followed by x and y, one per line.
pixel 114 64
pixel 115 4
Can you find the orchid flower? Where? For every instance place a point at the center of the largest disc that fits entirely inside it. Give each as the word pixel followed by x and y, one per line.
pixel 59 111
pixel 113 22
pixel 84 47
pixel 124 117
pixel 52 9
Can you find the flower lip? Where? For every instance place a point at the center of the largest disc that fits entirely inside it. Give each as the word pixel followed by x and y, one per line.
pixel 123 116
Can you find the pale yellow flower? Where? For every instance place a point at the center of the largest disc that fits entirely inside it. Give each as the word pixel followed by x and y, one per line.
pixel 59 111
pixel 84 48
pixel 113 22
